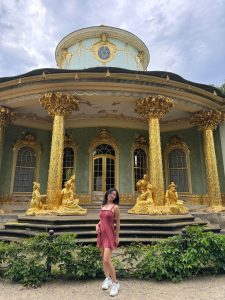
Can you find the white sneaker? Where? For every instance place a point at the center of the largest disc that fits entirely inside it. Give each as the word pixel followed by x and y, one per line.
pixel 115 289
pixel 106 283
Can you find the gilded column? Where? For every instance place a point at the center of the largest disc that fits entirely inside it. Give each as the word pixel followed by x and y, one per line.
pixel 6 117
pixel 153 108
pixel 207 121
pixel 58 106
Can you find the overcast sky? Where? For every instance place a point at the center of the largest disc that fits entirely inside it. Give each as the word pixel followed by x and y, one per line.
pixel 186 37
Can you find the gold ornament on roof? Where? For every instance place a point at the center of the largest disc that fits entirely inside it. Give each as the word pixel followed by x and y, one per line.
pixel 104 51
pixel 68 142
pixel 140 59
pixel 104 133
pixel 28 140
pixel 6 115
pixel 59 104
pixel 207 119
pixel 141 141
pixel 65 58
pixel 153 106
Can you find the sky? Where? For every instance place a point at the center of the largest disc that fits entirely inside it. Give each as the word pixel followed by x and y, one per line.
pixel 186 37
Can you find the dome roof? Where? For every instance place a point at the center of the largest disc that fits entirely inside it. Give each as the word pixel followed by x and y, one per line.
pixel 113 34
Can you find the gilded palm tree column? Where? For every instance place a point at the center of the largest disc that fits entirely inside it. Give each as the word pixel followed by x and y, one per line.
pixel 58 106
pixel 207 121
pixel 153 108
pixel 6 117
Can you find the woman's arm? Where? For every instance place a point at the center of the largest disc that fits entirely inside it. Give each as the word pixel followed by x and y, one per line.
pixel 117 219
pixel 98 227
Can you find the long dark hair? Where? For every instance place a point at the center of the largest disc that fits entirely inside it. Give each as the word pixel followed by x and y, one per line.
pixel 115 201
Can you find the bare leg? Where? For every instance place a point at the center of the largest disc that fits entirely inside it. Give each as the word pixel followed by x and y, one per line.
pixel 105 268
pixel 108 263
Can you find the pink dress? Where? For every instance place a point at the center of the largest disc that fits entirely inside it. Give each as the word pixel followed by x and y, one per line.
pixel 107 236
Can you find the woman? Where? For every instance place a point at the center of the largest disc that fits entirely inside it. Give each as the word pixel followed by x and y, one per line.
pixel 108 237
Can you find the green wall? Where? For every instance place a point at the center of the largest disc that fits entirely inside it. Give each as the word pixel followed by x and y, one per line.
pixel 14 133
pixel 219 157
pixel 194 139
pixel 125 138
pixel 83 138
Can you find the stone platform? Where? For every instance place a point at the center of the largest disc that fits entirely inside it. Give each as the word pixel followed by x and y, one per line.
pixel 134 228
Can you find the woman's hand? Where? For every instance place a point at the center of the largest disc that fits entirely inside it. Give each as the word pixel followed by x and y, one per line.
pixel 117 240
pixel 97 228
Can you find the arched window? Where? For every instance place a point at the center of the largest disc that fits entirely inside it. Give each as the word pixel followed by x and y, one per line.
pixel 178 169
pixel 140 165
pixel 104 149
pixel 104 167
pixel 68 164
pixel 24 170
pixel 103 162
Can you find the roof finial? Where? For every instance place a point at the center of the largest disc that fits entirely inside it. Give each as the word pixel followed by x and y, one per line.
pixel 107 73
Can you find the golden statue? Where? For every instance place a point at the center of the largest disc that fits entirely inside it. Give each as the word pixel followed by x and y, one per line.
pixel 69 204
pixel 175 205
pixel 72 184
pixel 145 199
pixel 35 203
pixel 139 59
pixel 66 57
pixel 142 184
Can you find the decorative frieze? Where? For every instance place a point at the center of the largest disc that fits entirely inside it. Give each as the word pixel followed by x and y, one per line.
pixel 154 106
pixel 207 119
pixel 59 104
pixel 6 116
pixel 27 140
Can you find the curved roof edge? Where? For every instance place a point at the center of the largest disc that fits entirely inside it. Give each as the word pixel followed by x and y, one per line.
pixel 95 31
pixel 160 74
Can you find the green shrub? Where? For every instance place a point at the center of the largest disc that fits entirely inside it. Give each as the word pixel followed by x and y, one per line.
pixel 205 254
pixel 30 262
pixel 3 251
pixel 25 264
pixel 86 263
pixel 126 262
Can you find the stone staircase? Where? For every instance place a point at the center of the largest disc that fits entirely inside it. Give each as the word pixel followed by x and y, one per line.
pixel 134 228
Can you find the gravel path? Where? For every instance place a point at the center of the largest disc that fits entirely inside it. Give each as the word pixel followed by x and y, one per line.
pixel 201 288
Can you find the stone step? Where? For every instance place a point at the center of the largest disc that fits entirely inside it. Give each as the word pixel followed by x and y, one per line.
pixel 92 233
pixel 8 217
pixel 142 228
pixel 83 227
pixel 93 219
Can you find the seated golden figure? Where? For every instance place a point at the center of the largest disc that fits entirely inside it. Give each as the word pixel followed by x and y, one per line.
pixel 69 205
pixel 176 206
pixel 142 184
pixel 144 200
pixel 35 203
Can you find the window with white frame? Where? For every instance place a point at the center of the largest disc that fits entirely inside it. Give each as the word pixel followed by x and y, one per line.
pixel 140 165
pixel 25 170
pixel 178 169
pixel 68 164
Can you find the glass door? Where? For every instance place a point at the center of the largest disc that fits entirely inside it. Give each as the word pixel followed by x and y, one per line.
pixel 104 173
pixel 103 167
